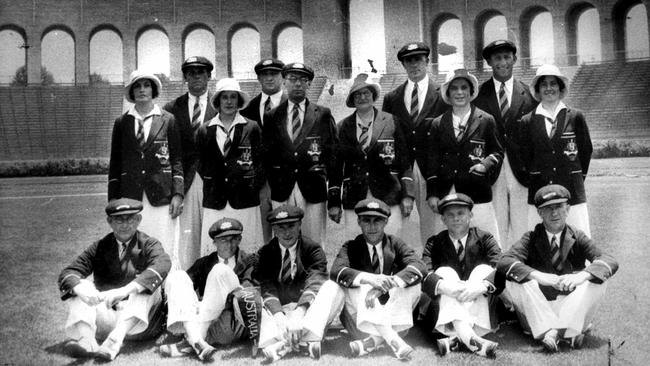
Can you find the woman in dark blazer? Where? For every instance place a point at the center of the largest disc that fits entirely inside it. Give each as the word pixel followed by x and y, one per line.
pixel 146 162
pixel 230 165
pixel 465 155
pixel 371 161
pixel 556 146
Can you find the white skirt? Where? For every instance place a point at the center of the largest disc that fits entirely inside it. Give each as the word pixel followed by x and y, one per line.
pixel 158 223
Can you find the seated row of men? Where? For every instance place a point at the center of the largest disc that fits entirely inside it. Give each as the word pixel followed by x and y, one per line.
pixel 282 299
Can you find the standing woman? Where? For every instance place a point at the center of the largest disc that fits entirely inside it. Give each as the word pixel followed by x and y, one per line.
pixel 371 161
pixel 556 145
pixel 146 163
pixel 231 165
pixel 465 155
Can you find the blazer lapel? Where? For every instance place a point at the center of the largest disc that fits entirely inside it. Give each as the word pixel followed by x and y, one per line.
pixel 518 93
pixel 568 239
pixel 379 124
pixel 448 126
pixel 543 245
pixel 428 103
pixel 389 256
pixel 561 119
pixel 307 123
pixel 472 125
pixel 493 100
pixel 401 108
pixel 156 125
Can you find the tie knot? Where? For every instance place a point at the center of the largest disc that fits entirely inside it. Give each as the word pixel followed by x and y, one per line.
pixel 503 85
pixel 296 107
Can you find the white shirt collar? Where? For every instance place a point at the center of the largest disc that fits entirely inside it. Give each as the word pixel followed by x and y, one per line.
pixel 237 120
pixel 550 236
pixel 463 240
pixel 552 115
pixel 509 84
pixel 154 112
pixel 421 83
pixel 203 98
pixel 301 105
pixel 292 250
pixel 275 98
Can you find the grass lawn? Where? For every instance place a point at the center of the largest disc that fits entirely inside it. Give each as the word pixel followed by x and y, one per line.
pixel 41 234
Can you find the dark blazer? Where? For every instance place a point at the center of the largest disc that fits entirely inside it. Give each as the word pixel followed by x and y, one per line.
pixel 399 260
pixel 416 133
pixel 252 110
pixel 156 168
pixel 533 252
pixel 311 272
pixel 450 159
pixel 145 262
pixel 237 177
pixel 439 251
pixel 563 159
pixel 358 171
pixel 508 126
pixel 288 162
pixel 199 271
pixel 179 108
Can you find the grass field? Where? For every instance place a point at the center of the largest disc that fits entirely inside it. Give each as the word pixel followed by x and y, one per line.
pixel 45 222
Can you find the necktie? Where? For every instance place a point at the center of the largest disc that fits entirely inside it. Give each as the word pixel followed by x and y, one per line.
pixel 503 100
pixel 553 126
pixel 196 113
pixel 295 122
pixel 227 143
pixel 140 135
pixel 363 138
pixel 285 273
pixel 375 260
pixel 461 256
pixel 122 250
pixel 461 131
pixel 414 102
pixel 268 105
pixel 555 254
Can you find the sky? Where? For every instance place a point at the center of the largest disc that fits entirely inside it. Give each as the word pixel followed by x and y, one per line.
pixel 366 39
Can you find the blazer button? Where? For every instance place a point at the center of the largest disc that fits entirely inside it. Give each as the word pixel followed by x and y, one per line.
pixel 455 171
pixel 225 164
pixel 225 179
pixel 553 169
pixel 295 171
pixel 550 182
pixel 295 154
pixel 413 149
pixel 143 172
pixel 414 132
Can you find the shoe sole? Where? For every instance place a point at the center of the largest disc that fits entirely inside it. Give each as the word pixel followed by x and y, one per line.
pixel 443 346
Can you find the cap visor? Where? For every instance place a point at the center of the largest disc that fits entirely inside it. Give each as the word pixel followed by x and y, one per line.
pixel 227 233
pixel 548 203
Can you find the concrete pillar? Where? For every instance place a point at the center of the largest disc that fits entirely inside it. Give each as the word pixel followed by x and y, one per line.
pixel 33 55
pixel 266 41
pixel 402 24
pixel 175 34
pixel 607 36
pixel 82 56
pixel 559 38
pixel 469 41
pixel 128 53
pixel 221 60
pixel 325 34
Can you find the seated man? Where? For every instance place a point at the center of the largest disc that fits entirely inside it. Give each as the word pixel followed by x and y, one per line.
pixel 377 277
pixel 200 301
pixel 290 271
pixel 552 289
pixel 460 282
pixel 123 299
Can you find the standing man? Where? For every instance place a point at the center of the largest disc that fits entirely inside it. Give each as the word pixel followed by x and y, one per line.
pixel 555 274
pixel 123 299
pixel 507 100
pixel 291 270
pixel 299 138
pixel 190 110
pixel 415 104
pixel 269 74
pixel 458 299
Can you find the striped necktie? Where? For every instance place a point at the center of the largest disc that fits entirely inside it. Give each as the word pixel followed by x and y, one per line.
pixel 553 126
pixel 196 113
pixel 268 105
pixel 414 102
pixel 227 143
pixel 285 273
pixel 363 138
pixel 375 260
pixel 503 100
pixel 295 122
pixel 140 135
pixel 122 250
pixel 461 255
pixel 555 254
pixel 461 131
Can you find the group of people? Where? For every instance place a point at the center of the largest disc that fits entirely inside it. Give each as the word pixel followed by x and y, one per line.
pixel 494 172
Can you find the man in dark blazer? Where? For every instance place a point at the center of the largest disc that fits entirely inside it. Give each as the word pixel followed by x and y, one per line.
pixel 291 270
pixel 507 107
pixel 555 274
pixel 200 301
pixel 190 111
pixel 458 291
pixel 375 281
pixel 269 74
pixel 123 298
pixel 415 104
pixel 299 138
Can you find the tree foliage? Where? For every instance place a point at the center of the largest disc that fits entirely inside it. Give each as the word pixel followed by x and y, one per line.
pixel 20 77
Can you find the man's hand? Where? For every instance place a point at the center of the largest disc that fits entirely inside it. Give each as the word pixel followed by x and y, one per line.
pixel 87 292
pixel 478 169
pixel 114 296
pixel 433 203
pixel 379 281
pixel 176 206
pixel 451 288
pixel 335 214
pixel 472 291
pixel 569 282
pixel 545 279
pixel 371 296
pixel 294 325
pixel 406 206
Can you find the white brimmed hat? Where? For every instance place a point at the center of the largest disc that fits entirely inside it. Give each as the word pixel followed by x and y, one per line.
pixel 549 70
pixel 229 84
pixel 360 82
pixel 138 75
pixel 459 74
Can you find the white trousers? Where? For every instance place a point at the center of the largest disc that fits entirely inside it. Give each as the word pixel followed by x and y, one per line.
pixel 572 312
pixel 265 208
pixel 315 219
pixel 102 320
pixel 510 200
pixel 190 224
pixel 578 217
pixel 249 217
pixel 429 223
pixel 158 223
pixel 476 313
